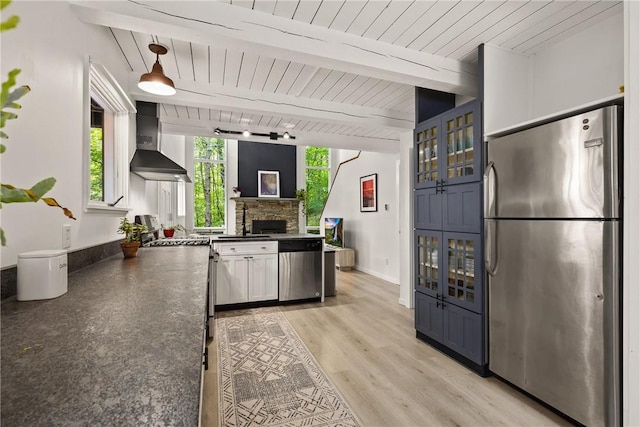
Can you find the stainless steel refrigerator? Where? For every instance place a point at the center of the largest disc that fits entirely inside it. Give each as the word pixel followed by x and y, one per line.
pixel 552 249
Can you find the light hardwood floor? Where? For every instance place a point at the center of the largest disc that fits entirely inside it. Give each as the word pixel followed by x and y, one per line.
pixel 365 342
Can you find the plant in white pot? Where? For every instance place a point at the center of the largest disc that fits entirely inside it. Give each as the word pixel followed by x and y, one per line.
pixel 237 191
pixel 132 237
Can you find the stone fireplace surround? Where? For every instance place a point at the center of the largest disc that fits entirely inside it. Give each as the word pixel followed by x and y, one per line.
pixel 269 208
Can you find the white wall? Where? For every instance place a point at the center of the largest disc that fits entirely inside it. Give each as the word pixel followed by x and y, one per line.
pixel 373 235
pixel 580 69
pixel 51 46
pixel 631 237
pixel 507 88
pixel 405 220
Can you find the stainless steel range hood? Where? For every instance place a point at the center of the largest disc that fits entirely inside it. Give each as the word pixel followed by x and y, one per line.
pixel 148 162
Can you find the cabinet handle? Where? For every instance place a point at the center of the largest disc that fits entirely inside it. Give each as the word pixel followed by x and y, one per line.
pixel 206 359
pixel 264 248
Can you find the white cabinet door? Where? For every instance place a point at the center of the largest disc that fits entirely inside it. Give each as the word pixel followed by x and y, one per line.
pixel 263 277
pixel 232 285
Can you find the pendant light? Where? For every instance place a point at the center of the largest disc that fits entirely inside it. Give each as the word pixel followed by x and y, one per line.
pixel 156 82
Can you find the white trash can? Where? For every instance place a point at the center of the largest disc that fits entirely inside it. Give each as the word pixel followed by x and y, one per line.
pixel 42 274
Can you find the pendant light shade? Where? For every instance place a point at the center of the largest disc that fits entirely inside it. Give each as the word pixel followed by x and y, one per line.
pixel 156 82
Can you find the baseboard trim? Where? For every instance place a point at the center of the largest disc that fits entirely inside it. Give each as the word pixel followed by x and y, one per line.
pixel 377 274
pixel 482 370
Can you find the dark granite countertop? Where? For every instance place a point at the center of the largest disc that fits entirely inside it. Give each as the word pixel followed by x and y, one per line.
pixel 122 347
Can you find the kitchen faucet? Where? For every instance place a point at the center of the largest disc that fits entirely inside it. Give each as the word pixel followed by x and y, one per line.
pixel 244 220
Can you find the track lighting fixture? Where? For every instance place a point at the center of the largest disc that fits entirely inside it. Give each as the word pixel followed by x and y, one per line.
pixel 245 133
pixel 156 82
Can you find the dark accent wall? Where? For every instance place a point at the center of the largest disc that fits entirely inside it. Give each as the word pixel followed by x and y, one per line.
pixel 255 156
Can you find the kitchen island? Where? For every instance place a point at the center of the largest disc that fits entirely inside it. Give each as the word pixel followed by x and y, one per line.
pixel 122 347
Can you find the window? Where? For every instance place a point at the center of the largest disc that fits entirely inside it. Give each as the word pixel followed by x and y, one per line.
pixel 107 167
pixel 317 182
pixel 209 195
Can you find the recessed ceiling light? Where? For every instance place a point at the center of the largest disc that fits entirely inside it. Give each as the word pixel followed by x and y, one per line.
pixel 289 125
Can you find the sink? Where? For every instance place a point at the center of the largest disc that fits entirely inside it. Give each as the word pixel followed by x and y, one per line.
pixel 248 236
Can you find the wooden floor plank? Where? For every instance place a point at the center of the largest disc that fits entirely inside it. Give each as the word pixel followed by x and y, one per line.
pixel 365 342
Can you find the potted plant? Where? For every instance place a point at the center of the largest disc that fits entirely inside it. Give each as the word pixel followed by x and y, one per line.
pixel 237 191
pixel 132 237
pixel 171 229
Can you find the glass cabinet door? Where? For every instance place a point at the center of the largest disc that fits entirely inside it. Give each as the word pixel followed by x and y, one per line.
pixel 426 153
pixel 461 140
pixel 428 274
pixel 463 280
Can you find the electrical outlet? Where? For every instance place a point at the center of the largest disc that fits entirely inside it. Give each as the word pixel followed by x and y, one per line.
pixel 66 236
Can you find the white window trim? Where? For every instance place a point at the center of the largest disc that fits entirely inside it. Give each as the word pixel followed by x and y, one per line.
pixel 99 80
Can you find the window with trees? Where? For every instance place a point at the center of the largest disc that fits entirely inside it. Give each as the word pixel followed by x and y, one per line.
pixel 97 150
pixel 107 131
pixel 209 194
pixel 317 183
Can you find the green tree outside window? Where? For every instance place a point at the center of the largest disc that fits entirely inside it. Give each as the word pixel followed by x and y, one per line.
pixel 317 183
pixel 97 164
pixel 209 183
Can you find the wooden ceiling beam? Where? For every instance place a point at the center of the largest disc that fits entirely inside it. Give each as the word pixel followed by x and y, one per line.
pixel 193 127
pixel 217 23
pixel 193 94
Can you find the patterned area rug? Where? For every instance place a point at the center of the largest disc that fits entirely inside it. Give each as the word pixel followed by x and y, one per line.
pixel 267 376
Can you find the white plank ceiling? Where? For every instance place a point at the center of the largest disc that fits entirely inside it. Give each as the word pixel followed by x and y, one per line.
pixel 330 72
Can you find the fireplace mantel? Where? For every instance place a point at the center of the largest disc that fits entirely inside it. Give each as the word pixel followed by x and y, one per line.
pixel 266 199
pixel 268 208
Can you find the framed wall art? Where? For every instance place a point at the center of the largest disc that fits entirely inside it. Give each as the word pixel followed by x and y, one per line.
pixel 369 193
pixel 268 184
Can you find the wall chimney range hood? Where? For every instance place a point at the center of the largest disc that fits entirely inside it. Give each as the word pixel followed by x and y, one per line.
pixel 148 162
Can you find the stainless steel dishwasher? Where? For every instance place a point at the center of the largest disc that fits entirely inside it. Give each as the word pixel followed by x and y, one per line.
pixel 300 269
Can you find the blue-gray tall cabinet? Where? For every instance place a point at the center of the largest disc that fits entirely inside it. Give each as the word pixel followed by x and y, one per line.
pixel 450 302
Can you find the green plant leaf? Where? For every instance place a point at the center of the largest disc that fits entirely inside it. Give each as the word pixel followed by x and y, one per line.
pixel 6 116
pixel 10 194
pixel 3 239
pixel 2 147
pixel 41 188
pixel 16 94
pixel 3 135
pixel 7 85
pixel 10 23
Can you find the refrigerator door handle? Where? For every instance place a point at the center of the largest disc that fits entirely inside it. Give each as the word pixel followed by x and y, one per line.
pixel 490 246
pixel 490 179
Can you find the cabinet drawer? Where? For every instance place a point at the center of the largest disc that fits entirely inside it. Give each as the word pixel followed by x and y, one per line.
pixel 241 248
